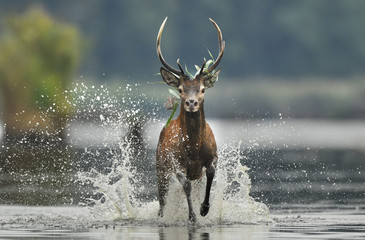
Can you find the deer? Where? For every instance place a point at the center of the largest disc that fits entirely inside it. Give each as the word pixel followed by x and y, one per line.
pixel 187 147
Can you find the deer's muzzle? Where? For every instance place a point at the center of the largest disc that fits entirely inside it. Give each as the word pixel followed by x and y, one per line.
pixel 191 105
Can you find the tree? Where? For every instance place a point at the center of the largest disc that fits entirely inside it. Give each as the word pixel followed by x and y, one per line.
pixel 38 56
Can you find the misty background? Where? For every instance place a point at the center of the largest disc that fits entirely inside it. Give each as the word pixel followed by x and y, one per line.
pixel 300 59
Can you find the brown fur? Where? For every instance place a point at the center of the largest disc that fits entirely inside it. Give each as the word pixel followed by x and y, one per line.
pixel 196 151
pixel 187 145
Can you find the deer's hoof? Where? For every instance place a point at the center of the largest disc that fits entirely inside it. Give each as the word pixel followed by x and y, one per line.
pixel 160 213
pixel 204 209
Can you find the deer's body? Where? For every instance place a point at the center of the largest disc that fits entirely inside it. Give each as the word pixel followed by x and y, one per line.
pixel 187 145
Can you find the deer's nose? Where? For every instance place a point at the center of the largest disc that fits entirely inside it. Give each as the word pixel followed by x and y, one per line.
pixel 191 102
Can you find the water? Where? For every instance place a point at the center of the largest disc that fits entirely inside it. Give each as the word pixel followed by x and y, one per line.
pixel 275 179
pixel 122 193
pixel 310 222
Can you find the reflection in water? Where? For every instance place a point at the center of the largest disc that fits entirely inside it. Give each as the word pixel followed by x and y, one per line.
pixel 188 232
pixel 295 222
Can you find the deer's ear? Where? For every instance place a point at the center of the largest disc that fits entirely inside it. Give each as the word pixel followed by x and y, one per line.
pixel 169 78
pixel 209 80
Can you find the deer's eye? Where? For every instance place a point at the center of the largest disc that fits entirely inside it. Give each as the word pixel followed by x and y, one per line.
pixel 203 90
pixel 180 90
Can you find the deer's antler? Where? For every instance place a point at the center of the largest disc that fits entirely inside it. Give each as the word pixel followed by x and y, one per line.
pixel 159 53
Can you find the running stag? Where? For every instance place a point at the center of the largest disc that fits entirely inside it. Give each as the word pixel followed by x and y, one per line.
pixel 187 145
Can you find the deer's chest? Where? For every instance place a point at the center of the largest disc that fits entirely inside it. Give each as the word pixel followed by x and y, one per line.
pixel 194 156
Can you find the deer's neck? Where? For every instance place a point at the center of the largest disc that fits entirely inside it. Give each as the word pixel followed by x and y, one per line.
pixel 192 123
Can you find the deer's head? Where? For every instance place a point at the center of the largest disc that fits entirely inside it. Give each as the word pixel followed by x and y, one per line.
pixel 191 90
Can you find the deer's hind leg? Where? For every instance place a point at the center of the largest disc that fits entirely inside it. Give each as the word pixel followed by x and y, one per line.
pixel 164 177
pixel 187 189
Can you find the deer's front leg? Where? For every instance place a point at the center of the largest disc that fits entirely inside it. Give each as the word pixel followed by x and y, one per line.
pixel 187 189
pixel 204 209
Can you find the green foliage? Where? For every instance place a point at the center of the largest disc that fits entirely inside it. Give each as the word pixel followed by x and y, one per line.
pixel 174 92
pixel 38 56
pixel 172 114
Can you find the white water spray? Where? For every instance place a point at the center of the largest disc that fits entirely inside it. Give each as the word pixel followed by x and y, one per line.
pixel 230 200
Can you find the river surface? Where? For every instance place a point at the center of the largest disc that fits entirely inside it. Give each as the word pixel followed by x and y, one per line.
pixel 277 179
pixel 294 222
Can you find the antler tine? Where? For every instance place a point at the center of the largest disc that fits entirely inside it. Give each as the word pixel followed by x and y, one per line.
pixel 203 66
pixel 159 53
pixel 222 45
pixel 181 69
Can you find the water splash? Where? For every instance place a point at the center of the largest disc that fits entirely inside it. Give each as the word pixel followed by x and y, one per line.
pixel 125 188
pixel 113 166
pixel 230 200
